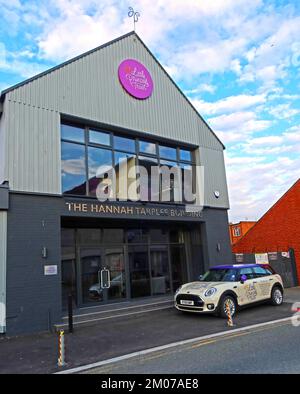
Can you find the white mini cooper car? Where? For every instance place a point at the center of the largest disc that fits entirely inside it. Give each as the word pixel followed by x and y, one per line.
pixel 234 285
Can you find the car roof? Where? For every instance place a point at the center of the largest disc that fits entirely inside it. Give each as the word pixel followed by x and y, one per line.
pixel 237 266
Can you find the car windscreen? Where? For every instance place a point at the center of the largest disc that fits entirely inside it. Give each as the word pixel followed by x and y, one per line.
pixel 220 275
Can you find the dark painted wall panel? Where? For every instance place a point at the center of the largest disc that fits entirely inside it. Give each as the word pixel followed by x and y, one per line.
pixel 32 297
pixel 34 221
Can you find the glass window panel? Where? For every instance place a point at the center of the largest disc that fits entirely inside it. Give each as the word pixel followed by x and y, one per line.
pixel 188 183
pixel 122 156
pixel 170 181
pixel 125 144
pixel 72 133
pixel 67 237
pixel 149 186
pixel 113 235
pixel 176 236
pixel 115 262
pixel 167 152
pixel 185 155
pixel 168 163
pixel 90 266
pixel 89 236
pixel 139 271
pixel 160 274
pixel 178 264
pixel 126 188
pixel 137 236
pixel 100 163
pixel 73 169
pixel 97 137
pixel 147 147
pixel 159 235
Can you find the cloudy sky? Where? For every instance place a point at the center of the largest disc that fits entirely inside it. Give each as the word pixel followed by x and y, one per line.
pixel 238 61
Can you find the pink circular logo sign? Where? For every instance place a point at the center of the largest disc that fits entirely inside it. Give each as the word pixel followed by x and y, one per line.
pixel 135 79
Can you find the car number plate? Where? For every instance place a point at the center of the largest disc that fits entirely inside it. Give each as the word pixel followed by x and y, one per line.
pixel 186 302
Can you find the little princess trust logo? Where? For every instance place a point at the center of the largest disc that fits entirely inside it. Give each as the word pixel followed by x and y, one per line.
pixel 135 79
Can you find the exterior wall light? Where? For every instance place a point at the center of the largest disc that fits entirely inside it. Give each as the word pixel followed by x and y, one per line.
pixel 44 252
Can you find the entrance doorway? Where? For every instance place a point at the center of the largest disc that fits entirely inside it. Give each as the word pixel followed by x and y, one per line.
pixel 102 274
pixel 103 265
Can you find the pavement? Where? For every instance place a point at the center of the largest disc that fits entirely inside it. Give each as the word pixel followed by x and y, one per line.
pixel 257 352
pixel 122 335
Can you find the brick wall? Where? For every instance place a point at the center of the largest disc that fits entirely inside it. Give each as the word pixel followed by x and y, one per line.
pixel 278 229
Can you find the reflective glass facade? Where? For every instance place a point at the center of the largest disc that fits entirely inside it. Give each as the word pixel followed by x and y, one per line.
pixel 88 156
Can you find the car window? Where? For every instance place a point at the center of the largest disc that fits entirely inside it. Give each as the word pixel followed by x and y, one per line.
pixel 248 272
pixel 220 275
pixel 270 270
pixel 260 271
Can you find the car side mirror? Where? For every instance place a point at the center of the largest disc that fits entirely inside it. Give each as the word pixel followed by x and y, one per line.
pixel 243 278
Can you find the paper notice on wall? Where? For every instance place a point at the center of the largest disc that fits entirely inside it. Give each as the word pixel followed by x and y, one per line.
pixel 273 256
pixel 239 257
pixel 50 270
pixel 261 258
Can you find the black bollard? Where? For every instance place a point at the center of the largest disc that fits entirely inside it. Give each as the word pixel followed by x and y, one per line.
pixel 70 312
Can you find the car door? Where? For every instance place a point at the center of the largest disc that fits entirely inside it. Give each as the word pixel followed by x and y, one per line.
pixel 247 291
pixel 264 282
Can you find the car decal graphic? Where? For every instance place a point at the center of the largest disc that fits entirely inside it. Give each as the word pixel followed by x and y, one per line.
pixel 251 292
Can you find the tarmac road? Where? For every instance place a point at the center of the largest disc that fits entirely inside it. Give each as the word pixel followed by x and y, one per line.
pixel 120 336
pixel 273 349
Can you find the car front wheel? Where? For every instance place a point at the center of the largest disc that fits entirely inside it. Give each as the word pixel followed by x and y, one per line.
pixel 227 301
pixel 276 296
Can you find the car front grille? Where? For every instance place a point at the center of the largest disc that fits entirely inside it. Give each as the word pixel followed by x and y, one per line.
pixel 190 297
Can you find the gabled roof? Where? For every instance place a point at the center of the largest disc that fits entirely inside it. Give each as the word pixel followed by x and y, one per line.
pixel 4 92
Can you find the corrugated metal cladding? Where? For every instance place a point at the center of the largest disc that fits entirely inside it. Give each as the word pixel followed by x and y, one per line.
pixel 3 243
pixel 2 148
pixel 89 88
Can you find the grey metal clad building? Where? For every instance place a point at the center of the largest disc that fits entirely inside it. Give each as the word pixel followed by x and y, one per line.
pixel 56 238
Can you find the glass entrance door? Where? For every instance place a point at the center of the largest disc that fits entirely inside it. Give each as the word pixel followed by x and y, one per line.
pixel 102 274
pixel 160 270
pixel 114 263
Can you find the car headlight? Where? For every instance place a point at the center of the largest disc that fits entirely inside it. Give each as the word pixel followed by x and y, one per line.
pixel 177 291
pixel 210 292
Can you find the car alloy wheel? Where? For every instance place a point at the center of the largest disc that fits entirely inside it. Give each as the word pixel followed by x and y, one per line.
pixel 231 304
pixel 277 296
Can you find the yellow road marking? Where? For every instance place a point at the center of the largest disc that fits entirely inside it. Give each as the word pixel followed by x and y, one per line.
pixel 202 344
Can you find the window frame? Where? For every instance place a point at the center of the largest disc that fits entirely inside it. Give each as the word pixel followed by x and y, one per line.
pixel 111 147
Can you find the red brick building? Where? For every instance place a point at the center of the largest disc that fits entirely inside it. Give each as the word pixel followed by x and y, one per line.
pixel 238 230
pixel 277 230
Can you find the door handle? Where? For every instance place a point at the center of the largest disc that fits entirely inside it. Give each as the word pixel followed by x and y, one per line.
pixel 105 278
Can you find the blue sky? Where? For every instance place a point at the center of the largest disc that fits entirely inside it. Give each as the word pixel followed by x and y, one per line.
pixel 238 61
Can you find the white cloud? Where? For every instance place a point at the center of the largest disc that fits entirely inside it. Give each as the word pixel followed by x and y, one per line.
pixel 283 111
pixel 11 63
pixel 255 188
pixel 229 104
pixel 237 126
pixel 204 87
